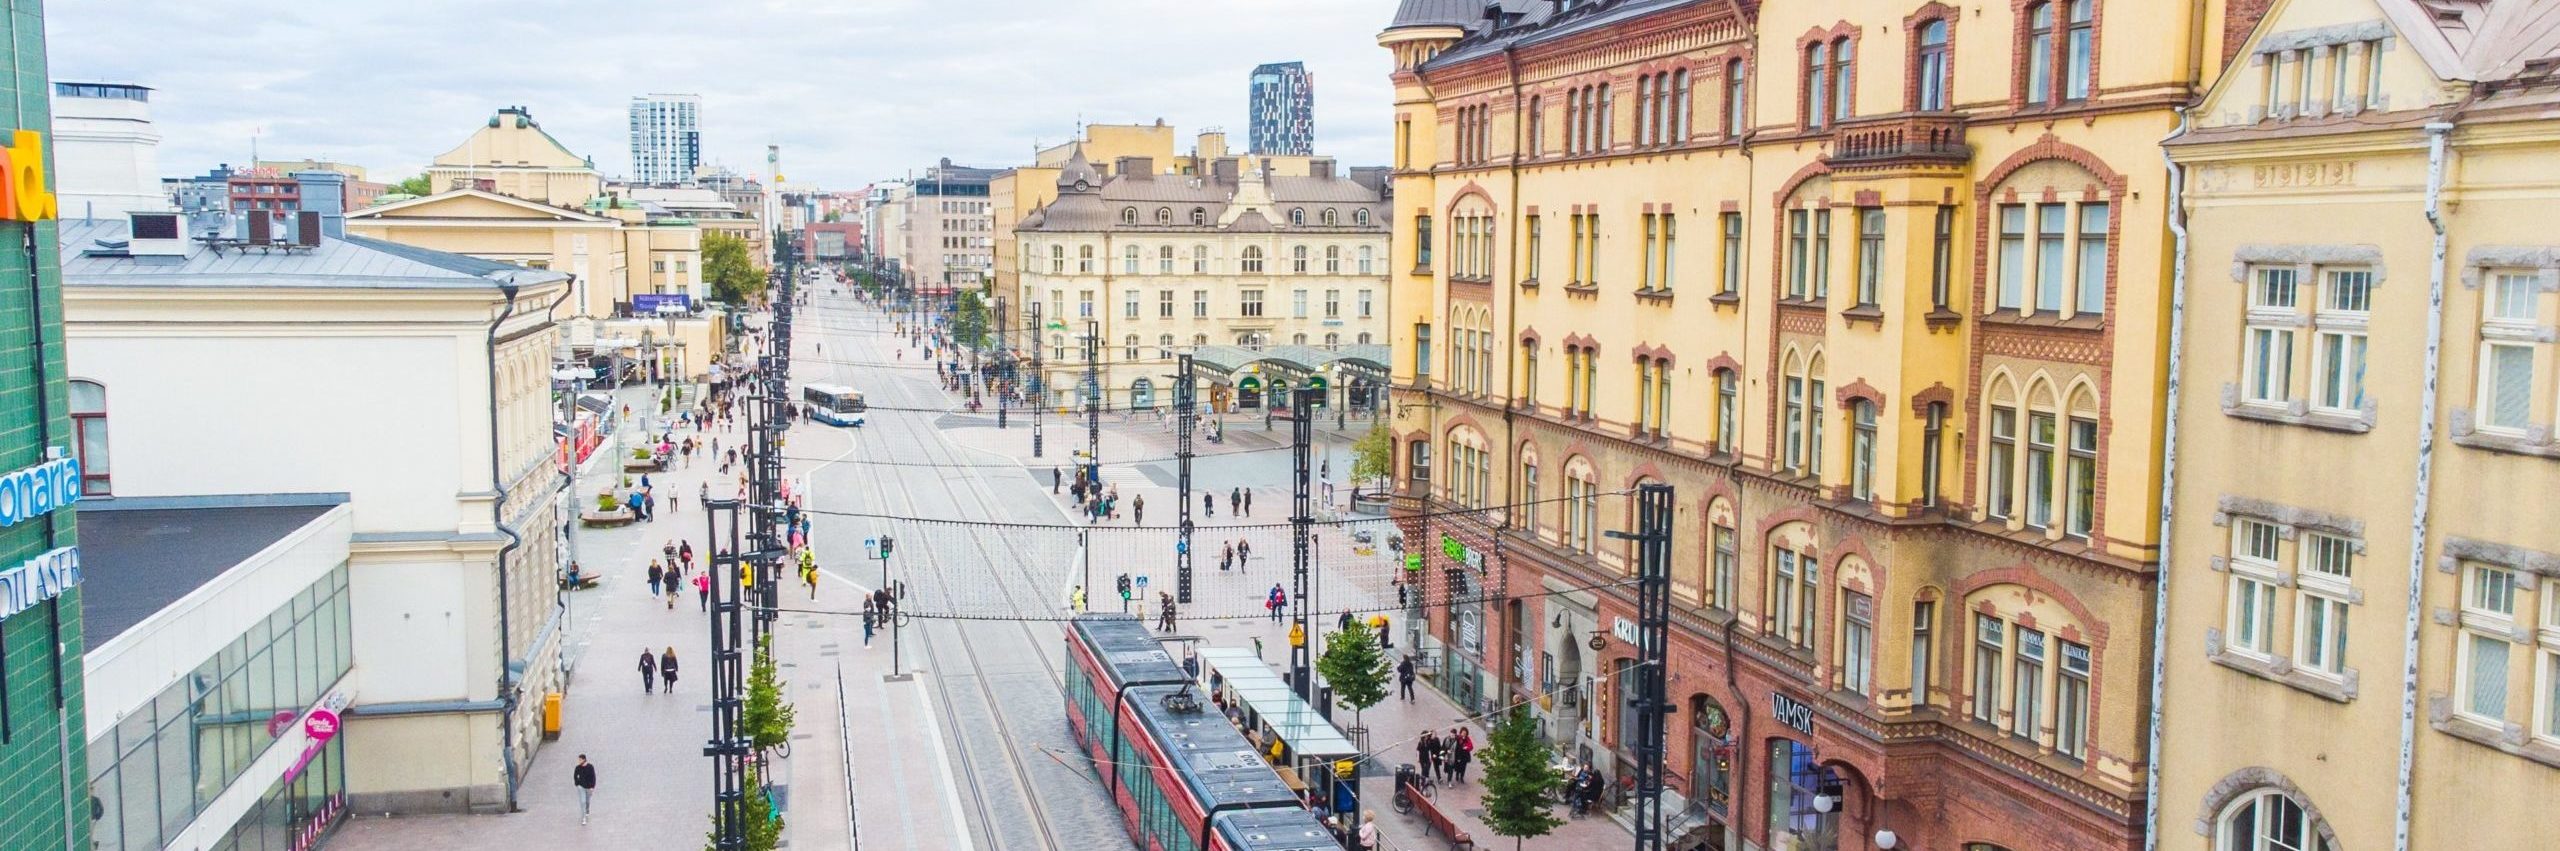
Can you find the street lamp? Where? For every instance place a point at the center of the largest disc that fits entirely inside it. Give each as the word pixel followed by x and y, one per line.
pixel 1886 840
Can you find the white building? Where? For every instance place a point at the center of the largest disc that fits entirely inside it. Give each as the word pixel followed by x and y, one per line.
pixel 1222 265
pixel 666 138
pixel 106 157
pixel 415 383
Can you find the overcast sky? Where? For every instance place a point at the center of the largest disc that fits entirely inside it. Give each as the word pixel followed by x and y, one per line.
pixel 853 90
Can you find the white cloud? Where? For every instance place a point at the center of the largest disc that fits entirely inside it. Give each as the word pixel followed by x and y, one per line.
pixel 853 90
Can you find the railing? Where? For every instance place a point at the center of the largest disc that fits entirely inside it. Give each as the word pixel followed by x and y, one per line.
pixel 1925 137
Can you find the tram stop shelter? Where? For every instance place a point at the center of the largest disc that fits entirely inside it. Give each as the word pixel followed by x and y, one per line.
pixel 1240 377
pixel 1300 742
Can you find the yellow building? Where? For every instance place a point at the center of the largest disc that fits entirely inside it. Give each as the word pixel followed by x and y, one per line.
pixel 612 247
pixel 2366 472
pixel 1016 191
pixel 1880 288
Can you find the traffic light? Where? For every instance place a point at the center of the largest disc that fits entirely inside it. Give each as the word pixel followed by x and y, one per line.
pixel 1124 586
pixel 886 545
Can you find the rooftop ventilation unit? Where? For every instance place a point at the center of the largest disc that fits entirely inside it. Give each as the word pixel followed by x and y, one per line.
pixel 157 235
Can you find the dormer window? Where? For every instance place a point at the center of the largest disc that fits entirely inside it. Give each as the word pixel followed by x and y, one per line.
pixel 1128 215
pixel 1297 217
pixel 1331 218
pixel 1164 215
pixel 1360 217
pixel 1199 216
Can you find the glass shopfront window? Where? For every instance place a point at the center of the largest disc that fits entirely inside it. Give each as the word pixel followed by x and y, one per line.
pixel 165 761
pixel 312 798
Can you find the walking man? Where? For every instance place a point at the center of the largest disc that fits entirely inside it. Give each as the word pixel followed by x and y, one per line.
pixel 870 621
pixel 1138 510
pixel 1248 503
pixel 585 776
pixel 1209 504
pixel 655 573
pixel 648 672
pixel 1235 501
pixel 1227 558
pixel 1404 677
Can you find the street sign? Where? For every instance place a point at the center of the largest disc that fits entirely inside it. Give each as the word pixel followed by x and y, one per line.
pixel 1142 582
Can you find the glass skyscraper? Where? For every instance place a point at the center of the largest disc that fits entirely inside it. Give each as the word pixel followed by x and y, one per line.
pixel 666 138
pixel 1283 119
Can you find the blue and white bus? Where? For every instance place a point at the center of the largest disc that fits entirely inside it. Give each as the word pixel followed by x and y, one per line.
pixel 833 404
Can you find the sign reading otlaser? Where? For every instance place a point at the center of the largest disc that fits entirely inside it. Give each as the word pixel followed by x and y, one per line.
pixel 39 579
pixel 36 491
pixel 23 196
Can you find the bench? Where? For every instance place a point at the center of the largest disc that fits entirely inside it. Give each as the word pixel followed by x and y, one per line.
pixel 585 581
pixel 1434 820
pixel 602 519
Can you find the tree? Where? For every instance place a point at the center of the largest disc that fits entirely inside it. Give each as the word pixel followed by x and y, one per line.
pixel 726 265
pixel 1356 668
pixel 414 186
pixel 1372 455
pixel 968 321
pixel 766 717
pixel 764 823
pixel 1519 772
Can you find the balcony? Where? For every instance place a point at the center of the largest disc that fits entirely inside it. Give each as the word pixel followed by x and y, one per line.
pixel 1901 139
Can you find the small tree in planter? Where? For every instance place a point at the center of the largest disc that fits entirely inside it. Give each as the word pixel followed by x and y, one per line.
pixel 766 717
pixel 1356 668
pixel 1519 772
pixel 606 503
pixel 1372 456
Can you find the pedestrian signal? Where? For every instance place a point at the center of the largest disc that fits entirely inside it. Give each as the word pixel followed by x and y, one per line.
pixel 1124 586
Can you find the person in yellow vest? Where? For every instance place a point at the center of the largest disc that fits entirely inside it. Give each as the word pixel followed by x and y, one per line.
pixel 1075 601
pixel 1297 635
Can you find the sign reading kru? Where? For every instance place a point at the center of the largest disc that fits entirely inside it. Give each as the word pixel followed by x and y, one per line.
pixel 23 197
pixel 36 491
pixel 41 578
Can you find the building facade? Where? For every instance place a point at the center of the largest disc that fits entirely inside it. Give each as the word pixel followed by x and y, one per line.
pixel 1887 314
pixel 43 758
pixel 948 230
pixel 2371 275
pixel 666 138
pixel 449 474
pixel 1154 265
pixel 1283 106
pixel 105 150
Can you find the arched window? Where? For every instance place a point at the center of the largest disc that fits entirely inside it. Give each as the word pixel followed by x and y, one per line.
pixel 1253 260
pixel 1364 338
pixel 1606 134
pixel 1929 68
pixel 1794 581
pixel 1728 411
pixel 1128 215
pixel 1817 84
pixel 1537 126
pixel 1199 216
pixel 1844 83
pixel 89 429
pixel 1297 216
pixel 1142 394
pixel 1360 217
pixel 1645 108
pixel 1332 339
pixel 2270 820
pixel 1680 106
pixel 1711 756
pixel 1164 215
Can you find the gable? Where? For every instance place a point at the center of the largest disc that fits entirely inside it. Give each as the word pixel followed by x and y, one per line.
pixel 2328 59
pixel 470 204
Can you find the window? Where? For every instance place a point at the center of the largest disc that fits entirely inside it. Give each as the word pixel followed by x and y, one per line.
pixel 1606 131
pixel 1536 235
pixel 1251 304
pixel 1728 561
pixel 2000 461
pixel 2039 50
pixel 1933 432
pixel 1794 424
pixel 2040 443
pixel 2080 478
pixel 1422 350
pixel 1128 215
pixel 1652 261
pixel 1857 641
pixel 1730 282
pixel 1164 347
pixel 1364 304
pixel 1332 257
pixel 1084 259
pixel 1298 259
pixel 2269 820
pixel 2325 586
pixel 1330 217
pixel 2050 219
pixel 1129 256
pixel 89 432
pixel 2091 282
pixel 2250 619
pixel 1728 412
pixel 2270 346
pixel 1084 303
pixel 2509 344
pixel 2026 684
pixel 1929 68
pixel 1199 304
pixel 1646 108
pixel 1129 304
pixel 2013 256
pixel 2488 618
pixel 1129 348
pixel 1821 255
pixel 1680 105
pixel 1797 221
pixel 1332 304
pixel 1253 260
pixel 1862 449
pixel 1164 215
pixel 2076 56
pixel 1298 304
pixel 1421 243
pixel 1817 79
pixel 1670 238
pixel 1366 257
pixel 1870 253
pixel 1164 261
pixel 1581 510
pixel 1734 89
pixel 1576 275
pixel 1988 639
pixel 1199 216
pixel 1537 127
pixel 1843 77
pixel 1793 594
pixel 2071 702
pixel 1924 616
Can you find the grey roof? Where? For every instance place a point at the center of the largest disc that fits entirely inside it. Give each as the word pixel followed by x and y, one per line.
pixel 1535 21
pixel 135 562
pixel 1437 13
pixel 1307 358
pixel 351 262
pixel 1178 194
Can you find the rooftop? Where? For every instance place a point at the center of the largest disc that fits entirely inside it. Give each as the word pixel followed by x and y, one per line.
pixel 135 562
pixel 337 263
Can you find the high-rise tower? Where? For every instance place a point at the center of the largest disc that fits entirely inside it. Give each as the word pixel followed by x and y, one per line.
pixel 666 138
pixel 1283 112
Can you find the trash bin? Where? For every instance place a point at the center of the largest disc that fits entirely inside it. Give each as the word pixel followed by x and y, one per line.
pixel 551 715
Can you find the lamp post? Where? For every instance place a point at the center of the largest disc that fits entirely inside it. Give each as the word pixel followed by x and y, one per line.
pixel 880 549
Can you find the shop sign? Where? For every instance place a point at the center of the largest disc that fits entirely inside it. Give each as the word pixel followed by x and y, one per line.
pixel 39 579
pixel 655 303
pixel 36 491
pixel 319 725
pixel 23 197
pixel 1461 553
pixel 1626 630
pixel 1794 714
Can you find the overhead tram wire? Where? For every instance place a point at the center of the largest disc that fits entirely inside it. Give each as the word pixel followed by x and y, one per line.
pixel 1118 527
pixel 1007 465
pixel 1477 599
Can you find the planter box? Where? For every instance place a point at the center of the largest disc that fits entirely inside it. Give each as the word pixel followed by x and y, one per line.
pixel 616 517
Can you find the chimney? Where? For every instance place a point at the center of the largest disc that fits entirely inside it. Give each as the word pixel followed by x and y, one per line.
pixel 325 192
pixel 1224 169
pixel 1135 166
pixel 1320 168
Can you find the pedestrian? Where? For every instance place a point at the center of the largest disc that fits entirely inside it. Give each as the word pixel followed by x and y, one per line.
pixel 648 506
pixel 672 501
pixel 1428 751
pixel 585 777
pixel 702 588
pixel 1235 502
pixel 1209 504
pixel 870 622
pixel 1055 478
pixel 1169 620
pixel 1075 600
pixel 670 551
pixel 655 572
pixel 648 672
pixel 1248 503
pixel 1227 558
pixel 684 557
pixel 1369 831
pixel 1378 622
pixel 1404 677
pixel 1244 552
pixel 672 592
pixel 1343 624
pixel 703 496
pixel 1279 601
pixel 1138 510
pixel 667 669
pixel 1466 754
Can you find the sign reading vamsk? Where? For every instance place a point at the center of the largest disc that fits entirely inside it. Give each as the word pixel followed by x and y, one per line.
pixel 25 495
